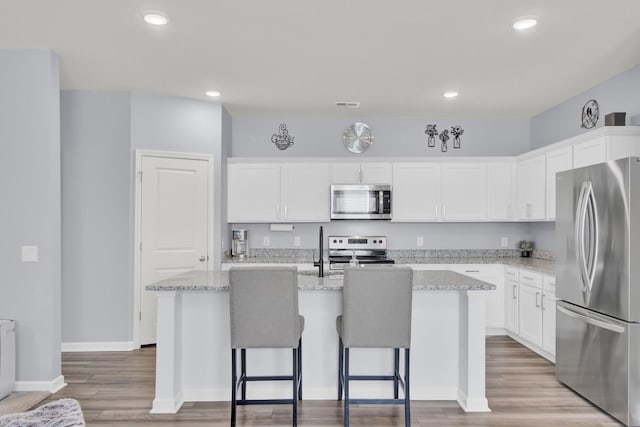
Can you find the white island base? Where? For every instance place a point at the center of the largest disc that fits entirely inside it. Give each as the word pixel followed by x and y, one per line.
pixel 193 353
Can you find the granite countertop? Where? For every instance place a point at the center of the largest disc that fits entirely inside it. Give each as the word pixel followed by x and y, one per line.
pixel 431 280
pixel 535 264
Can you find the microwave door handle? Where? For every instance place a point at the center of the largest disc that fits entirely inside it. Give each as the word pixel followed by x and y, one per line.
pixel 380 202
pixel 590 320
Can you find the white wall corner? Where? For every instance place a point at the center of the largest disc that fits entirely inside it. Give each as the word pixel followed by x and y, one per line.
pixel 52 386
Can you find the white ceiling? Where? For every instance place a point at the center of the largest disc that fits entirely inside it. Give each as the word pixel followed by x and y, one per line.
pixel 300 56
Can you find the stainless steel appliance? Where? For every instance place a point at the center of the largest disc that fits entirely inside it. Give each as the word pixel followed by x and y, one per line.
pixel 362 250
pixel 354 201
pixel 598 283
pixel 239 243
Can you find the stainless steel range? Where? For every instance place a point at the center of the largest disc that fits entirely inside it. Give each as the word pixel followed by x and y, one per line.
pixel 362 249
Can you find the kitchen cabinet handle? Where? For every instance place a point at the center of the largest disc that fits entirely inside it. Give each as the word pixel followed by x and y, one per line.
pixel 444 211
pixel 542 302
pixel 436 211
pixel 286 215
pixel 537 299
pixel 202 258
pixel 472 271
pixel 528 277
pixel 515 294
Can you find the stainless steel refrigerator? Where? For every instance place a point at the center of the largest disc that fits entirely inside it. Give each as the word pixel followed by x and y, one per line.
pixel 598 285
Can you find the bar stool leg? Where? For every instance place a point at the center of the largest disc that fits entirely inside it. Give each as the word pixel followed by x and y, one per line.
pixel 233 387
pixel 243 371
pixel 340 368
pixel 407 399
pixel 294 396
pixel 396 371
pixel 299 379
pixel 346 387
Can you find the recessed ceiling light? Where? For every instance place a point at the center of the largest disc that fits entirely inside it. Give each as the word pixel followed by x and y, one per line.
pixel 525 23
pixel 155 18
pixel 450 94
pixel 213 93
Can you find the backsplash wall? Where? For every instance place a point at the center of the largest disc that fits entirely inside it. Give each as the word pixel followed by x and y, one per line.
pixel 399 235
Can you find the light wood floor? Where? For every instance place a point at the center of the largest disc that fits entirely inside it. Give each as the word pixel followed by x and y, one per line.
pixel 117 389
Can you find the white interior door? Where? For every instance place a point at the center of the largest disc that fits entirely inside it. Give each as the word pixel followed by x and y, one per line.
pixel 174 226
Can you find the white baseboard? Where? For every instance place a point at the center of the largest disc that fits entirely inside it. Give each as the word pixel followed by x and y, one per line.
pixel 491 332
pixel 472 404
pixel 318 393
pixel 51 386
pixel 97 346
pixel 166 406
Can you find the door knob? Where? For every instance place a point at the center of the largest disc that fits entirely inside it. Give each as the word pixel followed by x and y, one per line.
pixel 202 258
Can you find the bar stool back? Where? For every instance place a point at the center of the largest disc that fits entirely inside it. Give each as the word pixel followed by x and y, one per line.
pixel 376 314
pixel 264 314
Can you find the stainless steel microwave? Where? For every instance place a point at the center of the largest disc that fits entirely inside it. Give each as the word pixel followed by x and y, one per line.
pixel 354 201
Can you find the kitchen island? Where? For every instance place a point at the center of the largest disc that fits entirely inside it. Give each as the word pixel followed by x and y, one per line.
pixel 193 354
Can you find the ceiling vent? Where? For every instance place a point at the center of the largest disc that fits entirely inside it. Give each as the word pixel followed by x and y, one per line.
pixel 348 104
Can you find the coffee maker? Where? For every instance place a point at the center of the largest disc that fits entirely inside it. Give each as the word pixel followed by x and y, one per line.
pixel 239 243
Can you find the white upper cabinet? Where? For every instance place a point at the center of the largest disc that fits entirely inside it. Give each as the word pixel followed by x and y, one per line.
pixel 501 189
pixel 606 143
pixel 274 192
pixel 305 192
pixel 464 191
pixel 531 188
pixel 253 192
pixel 361 173
pixel 557 161
pixel 589 153
pixel 416 192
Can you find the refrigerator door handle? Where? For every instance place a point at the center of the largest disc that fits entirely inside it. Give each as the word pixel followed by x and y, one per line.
pixel 592 215
pixel 590 320
pixel 581 212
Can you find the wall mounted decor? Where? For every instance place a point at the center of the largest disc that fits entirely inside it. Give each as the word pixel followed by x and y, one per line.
pixel 444 137
pixel 431 132
pixel 590 114
pixel 357 137
pixel 282 140
pixel 457 132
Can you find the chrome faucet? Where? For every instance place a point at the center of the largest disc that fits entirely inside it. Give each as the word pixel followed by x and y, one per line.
pixel 320 262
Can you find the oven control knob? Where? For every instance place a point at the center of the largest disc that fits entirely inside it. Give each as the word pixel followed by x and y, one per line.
pixel 335 241
pixel 340 240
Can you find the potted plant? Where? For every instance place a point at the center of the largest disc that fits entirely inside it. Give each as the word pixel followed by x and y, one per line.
pixel 525 248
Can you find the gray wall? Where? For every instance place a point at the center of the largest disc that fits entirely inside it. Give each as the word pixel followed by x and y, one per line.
pixel 96 286
pixel 30 212
pixel 396 137
pixel 101 132
pixel 399 235
pixel 392 137
pixel 184 125
pixel 621 93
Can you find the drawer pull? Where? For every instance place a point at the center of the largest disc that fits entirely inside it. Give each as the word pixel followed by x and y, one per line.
pixel 472 271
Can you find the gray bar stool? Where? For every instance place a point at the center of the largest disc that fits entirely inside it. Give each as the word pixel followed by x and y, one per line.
pixel 264 314
pixel 376 307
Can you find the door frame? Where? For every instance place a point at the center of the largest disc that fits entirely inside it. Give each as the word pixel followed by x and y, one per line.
pixel 137 258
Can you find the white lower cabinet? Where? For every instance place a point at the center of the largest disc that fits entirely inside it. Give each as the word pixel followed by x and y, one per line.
pixel 530 310
pixel 530 314
pixel 511 299
pixel 549 314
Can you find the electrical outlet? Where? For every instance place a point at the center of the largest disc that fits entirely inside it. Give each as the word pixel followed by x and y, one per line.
pixel 266 241
pixel 420 241
pixel 296 241
pixel 504 241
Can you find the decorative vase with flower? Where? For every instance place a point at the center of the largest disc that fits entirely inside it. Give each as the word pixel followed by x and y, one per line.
pixel 525 247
